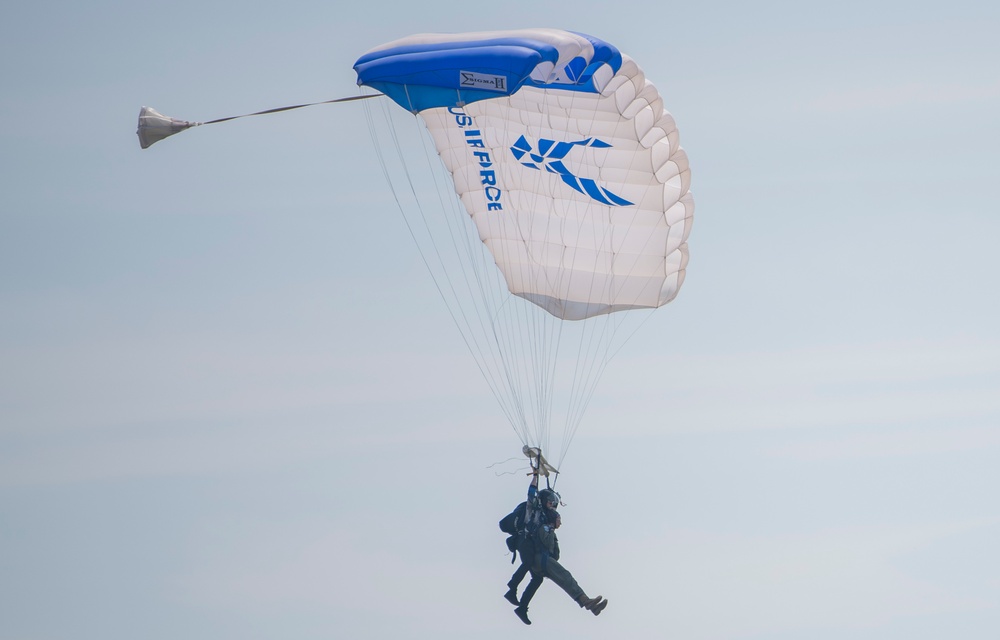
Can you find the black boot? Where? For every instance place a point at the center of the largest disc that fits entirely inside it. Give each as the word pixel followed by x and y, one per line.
pixel 511 596
pixel 522 613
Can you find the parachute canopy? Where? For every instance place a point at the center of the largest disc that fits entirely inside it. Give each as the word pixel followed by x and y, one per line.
pixel 573 208
pixel 563 156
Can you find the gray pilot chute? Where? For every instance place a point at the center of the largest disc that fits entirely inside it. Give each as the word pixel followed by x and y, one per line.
pixel 154 126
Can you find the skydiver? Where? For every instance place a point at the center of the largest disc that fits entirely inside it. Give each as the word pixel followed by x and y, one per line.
pixel 539 548
pixel 526 548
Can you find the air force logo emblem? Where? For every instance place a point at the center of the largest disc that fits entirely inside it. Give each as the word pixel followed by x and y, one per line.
pixel 550 155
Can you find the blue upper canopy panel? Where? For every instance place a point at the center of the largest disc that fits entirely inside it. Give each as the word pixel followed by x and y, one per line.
pixel 441 70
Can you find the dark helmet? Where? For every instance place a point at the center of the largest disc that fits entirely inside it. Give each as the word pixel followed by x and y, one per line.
pixel 549 497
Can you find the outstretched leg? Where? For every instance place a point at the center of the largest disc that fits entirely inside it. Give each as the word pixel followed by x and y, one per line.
pixel 558 574
pixel 554 571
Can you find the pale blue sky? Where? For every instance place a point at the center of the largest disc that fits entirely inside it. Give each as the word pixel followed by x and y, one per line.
pixel 232 405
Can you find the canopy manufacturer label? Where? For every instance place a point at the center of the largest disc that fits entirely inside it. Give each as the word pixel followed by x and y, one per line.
pixel 473 80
